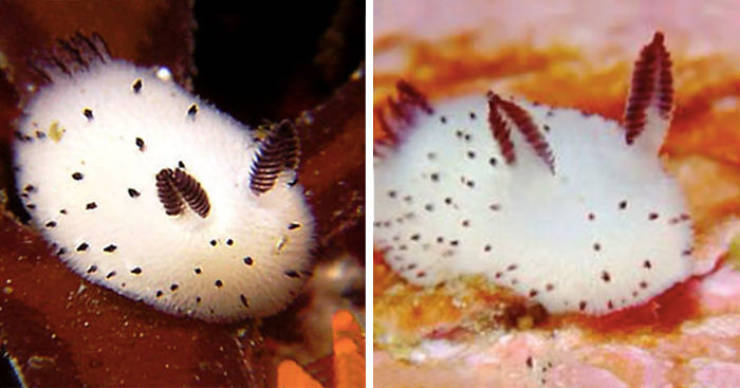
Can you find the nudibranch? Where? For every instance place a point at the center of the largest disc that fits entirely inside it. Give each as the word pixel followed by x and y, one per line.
pixel 572 210
pixel 143 188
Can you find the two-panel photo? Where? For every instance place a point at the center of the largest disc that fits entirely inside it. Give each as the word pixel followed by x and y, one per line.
pixel 353 193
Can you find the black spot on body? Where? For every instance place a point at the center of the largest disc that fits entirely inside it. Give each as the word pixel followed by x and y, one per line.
pixel 472 115
pixel 110 248
pixel 647 264
pixel 213 243
pixel 174 287
pixel 91 205
pixel 197 271
pixel 291 273
pixel 77 176
pixel 140 144
pixel 93 268
pixel 136 271
pixel 622 205
pixel 88 113
pixel 181 164
pixel 652 216
pixel 133 193
pixel 229 242
pixel 51 224
pixel 192 110
pixel 443 120
pixel 110 274
pixel 219 283
pixel 82 247
pixel 136 86
pixel 159 293
pixel 293 225
pixel 606 277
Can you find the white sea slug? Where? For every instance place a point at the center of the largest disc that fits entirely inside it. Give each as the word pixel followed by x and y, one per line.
pixel 145 189
pixel 572 210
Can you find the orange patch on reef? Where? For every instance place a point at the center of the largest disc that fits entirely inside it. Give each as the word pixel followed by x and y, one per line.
pixel 663 313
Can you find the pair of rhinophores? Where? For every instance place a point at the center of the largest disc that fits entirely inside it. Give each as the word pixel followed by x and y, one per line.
pixel 143 188
pixel 569 209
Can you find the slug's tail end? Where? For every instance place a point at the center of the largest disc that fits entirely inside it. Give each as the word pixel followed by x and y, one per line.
pixel 399 113
pixel 70 56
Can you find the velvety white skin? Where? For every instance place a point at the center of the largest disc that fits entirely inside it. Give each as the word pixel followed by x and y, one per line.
pixel 215 149
pixel 541 233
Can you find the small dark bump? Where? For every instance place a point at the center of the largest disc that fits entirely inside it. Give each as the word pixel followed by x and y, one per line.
pixel 197 271
pixel 248 260
pixel 511 267
pixel 546 128
pixel 487 248
pixel 549 287
pixel 110 248
pixel 218 283
pixel 136 86
pixel 174 287
pixel 140 144
pixel 136 271
pixel 244 300
pixel 454 243
pixel 292 226
pixel 647 264
pixel 492 161
pixel 110 274
pixel 159 293
pixel 92 269
pixel 605 276
pixel 415 237
pixel 61 251
pixel 77 176
pixel 597 247
pixel 440 239
pixel 591 216
pixel 392 194
pixel 470 184
pixel 610 305
pixel 495 207
pixel 652 216
pixel 29 189
pixel 193 109
pixel 51 224
pixel 431 156
pixel 421 274
pixel 434 176
pixel 467 137
pixel 198 299
pixel 292 274
pixel 443 120
pixel 133 193
pixel 63 211
pixel 213 243
pixel 622 205
pixel 582 305
pixel 91 205
pixel 407 199
pixel 31 206
pixel 82 247
pixel 643 284
pixel 229 242
pixel 459 134
pixel 532 293
pixel 448 201
pixel 472 115
pixel 88 113
pixel 471 154
pixel 180 164
pixel 429 207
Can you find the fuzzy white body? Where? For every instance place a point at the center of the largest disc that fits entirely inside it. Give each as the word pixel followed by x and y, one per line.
pixel 181 258
pixel 551 237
